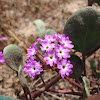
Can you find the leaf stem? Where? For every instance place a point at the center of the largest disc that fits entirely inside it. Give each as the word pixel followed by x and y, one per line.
pixel 41 59
pixel 39 52
pixel 73 82
pixel 66 92
pixel 42 79
pixel 83 60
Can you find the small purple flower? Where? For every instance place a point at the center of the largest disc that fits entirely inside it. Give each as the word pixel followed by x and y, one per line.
pixel 29 61
pixel 1 57
pixel 66 42
pixel 40 40
pixel 49 38
pixel 33 68
pixel 47 46
pixel 31 51
pixel 50 58
pixel 65 67
pixel 55 35
pixel 58 36
pixel 62 52
pixel 3 38
pixel 61 35
pixel 35 43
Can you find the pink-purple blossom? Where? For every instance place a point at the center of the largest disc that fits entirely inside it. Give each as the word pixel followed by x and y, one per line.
pixel 47 46
pixel 50 58
pixel 64 68
pixel 40 40
pixel 3 38
pixel 1 57
pixel 58 36
pixel 66 42
pixel 62 52
pixel 31 51
pixel 34 68
pixel 29 61
pixel 49 38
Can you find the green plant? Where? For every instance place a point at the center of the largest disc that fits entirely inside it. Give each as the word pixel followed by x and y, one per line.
pixel 83 28
pixel 93 65
pixel 41 30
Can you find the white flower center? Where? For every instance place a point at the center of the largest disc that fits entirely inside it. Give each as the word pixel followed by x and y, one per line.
pixel 33 69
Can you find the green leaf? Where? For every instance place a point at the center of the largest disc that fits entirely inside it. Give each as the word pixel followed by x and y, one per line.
pixel 93 65
pixel 40 28
pixel 86 87
pixel 13 56
pixel 36 9
pixel 77 66
pixel 97 74
pixel 6 98
pixel 50 32
pixel 83 28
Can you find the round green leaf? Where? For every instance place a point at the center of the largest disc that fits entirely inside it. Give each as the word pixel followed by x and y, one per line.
pixel 50 32
pixel 13 56
pixel 93 65
pixel 40 28
pixel 83 28
pixel 77 66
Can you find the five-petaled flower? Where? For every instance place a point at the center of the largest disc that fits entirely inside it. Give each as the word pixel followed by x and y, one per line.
pixel 64 68
pixel 33 67
pixel 31 51
pixel 47 46
pixel 62 52
pixel 50 58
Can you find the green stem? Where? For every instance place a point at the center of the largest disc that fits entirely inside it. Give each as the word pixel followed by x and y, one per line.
pixel 24 83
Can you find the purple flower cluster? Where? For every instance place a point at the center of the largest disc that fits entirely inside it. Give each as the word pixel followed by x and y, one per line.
pixel 1 57
pixel 57 48
pixel 32 66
